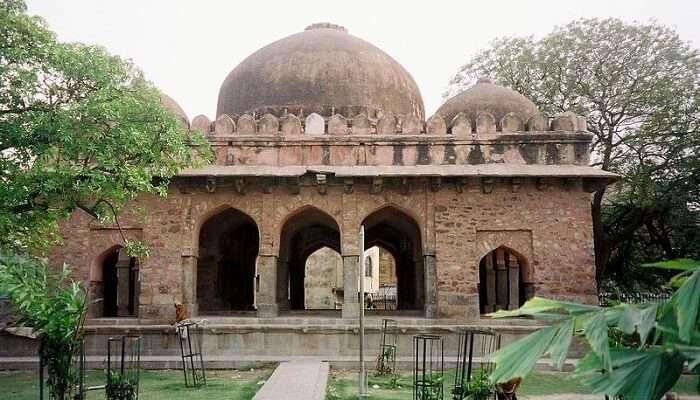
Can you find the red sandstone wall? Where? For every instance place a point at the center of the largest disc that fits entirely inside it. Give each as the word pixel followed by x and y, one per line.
pixel 550 228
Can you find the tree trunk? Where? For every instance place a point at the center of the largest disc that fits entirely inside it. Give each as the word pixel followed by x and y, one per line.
pixel 600 240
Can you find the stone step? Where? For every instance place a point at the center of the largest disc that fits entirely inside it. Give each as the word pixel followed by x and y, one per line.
pixel 296 380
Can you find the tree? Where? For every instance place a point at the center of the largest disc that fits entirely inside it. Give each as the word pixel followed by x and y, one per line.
pixel 79 128
pixel 635 351
pixel 638 86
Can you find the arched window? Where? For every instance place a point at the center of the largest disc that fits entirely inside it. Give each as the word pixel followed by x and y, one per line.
pixel 368 267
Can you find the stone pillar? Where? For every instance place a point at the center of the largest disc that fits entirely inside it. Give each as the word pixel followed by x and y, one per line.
pixel 430 286
pixel 267 295
pixel 419 283
pixel 189 283
pixel 513 280
pixel 490 289
pixel 351 302
pixel 282 285
pixel 123 293
pixel 501 280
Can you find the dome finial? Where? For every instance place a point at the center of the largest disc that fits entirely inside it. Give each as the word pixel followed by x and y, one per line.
pixel 326 25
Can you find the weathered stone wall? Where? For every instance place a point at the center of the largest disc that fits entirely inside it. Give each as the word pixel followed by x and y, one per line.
pixel 324 274
pixel 548 224
pixel 387 268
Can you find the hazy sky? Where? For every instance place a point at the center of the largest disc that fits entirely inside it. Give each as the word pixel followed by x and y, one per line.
pixel 188 47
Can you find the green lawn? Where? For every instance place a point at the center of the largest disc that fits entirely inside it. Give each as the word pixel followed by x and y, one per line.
pixel 155 385
pixel 343 385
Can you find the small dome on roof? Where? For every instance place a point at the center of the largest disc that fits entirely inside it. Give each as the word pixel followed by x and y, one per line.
pixel 486 96
pixel 322 69
pixel 172 105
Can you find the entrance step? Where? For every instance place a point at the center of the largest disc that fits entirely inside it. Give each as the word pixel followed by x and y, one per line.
pixel 296 380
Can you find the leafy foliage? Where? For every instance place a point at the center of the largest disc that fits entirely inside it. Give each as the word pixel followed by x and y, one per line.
pixel 79 128
pixel 121 386
pixel 54 308
pixel 636 351
pixel 479 387
pixel 430 387
pixel 639 87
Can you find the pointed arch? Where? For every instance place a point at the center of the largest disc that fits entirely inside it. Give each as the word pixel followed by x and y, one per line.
pixel 208 215
pixel 228 243
pixel 398 232
pixel 114 284
pixel 502 283
pixel 303 232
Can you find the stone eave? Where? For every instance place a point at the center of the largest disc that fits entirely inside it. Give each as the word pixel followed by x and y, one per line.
pixel 481 170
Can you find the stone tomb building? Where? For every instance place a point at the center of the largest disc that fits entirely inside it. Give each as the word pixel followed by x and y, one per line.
pixel 480 207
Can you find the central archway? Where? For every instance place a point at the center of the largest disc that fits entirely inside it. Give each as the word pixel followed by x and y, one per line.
pixel 399 234
pixel 305 232
pixel 228 249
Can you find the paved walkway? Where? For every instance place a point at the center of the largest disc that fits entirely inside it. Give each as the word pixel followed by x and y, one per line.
pixel 296 380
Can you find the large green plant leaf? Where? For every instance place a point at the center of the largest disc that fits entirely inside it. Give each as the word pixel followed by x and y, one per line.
pixel 685 305
pixel 540 306
pixel 636 374
pixel 638 318
pixel 596 332
pixel 519 358
pixel 679 264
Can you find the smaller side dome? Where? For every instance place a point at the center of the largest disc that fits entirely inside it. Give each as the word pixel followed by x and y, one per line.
pixel 175 108
pixel 487 97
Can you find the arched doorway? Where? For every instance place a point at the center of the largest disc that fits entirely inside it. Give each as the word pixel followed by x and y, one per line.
pixel 501 283
pixel 307 231
pixel 115 285
pixel 399 235
pixel 228 249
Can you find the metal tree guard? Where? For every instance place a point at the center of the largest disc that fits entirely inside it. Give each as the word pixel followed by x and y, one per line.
pixel 428 367
pixel 386 362
pixel 190 335
pixel 76 375
pixel 473 342
pixel 123 367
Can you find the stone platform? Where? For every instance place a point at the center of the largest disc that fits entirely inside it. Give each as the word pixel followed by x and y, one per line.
pixel 236 342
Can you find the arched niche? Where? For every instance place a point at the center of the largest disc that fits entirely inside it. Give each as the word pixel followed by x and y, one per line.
pixel 504 282
pixel 114 284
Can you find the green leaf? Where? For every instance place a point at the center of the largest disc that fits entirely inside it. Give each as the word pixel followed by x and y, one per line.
pixel 539 306
pixel 596 331
pixel 636 374
pixel 679 264
pixel 685 304
pixel 638 318
pixel 519 358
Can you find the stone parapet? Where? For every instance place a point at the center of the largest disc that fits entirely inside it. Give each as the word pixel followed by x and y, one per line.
pixel 288 124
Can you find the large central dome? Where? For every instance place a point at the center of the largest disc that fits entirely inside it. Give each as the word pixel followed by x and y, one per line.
pixel 322 69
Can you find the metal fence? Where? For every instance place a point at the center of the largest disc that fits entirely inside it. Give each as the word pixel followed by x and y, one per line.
pixel 606 299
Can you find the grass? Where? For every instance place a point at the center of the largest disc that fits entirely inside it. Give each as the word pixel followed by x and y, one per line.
pixel 343 385
pixel 155 385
